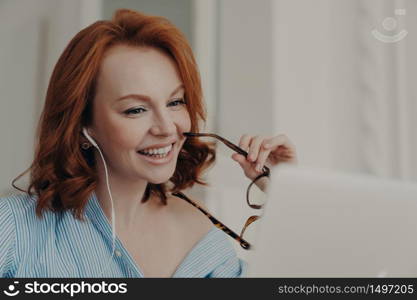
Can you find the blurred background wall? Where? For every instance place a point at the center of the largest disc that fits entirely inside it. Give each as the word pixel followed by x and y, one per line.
pixel 328 74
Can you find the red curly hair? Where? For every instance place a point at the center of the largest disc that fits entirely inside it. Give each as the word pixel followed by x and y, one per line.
pixel 62 175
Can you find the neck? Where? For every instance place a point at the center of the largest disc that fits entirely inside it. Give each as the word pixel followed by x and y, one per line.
pixel 127 196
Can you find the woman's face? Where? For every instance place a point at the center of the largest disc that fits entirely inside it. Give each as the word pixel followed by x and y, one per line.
pixel 139 105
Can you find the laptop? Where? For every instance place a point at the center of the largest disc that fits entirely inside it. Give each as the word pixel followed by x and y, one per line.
pixel 322 223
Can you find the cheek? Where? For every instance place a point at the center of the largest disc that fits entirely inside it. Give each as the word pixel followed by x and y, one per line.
pixel 118 133
pixel 125 135
pixel 184 122
pixel 133 135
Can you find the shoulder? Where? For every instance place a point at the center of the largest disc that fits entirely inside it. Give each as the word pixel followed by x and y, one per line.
pixel 8 232
pixel 189 215
pixel 17 208
pixel 7 221
pixel 19 211
pixel 233 267
pixel 18 203
pixel 214 250
pixel 22 207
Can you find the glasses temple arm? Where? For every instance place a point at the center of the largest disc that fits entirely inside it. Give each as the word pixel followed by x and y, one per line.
pixel 216 222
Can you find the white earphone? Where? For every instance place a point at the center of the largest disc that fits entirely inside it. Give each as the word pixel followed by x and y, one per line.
pixel 113 215
pixel 89 138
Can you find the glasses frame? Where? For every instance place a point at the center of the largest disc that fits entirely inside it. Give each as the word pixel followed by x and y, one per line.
pixel 265 173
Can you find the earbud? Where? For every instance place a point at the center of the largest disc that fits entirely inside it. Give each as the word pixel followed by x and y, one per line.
pixel 89 138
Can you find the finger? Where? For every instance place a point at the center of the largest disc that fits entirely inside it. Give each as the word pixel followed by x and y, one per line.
pixel 262 157
pixel 244 142
pixel 279 140
pixel 248 167
pixel 238 157
pixel 241 159
pixel 254 147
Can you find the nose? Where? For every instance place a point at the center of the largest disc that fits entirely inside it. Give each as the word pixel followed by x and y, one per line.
pixel 163 124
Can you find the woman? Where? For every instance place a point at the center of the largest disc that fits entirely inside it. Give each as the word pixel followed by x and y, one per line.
pixel 110 146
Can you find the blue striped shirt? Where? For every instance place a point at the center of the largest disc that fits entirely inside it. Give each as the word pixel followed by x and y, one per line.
pixel 59 245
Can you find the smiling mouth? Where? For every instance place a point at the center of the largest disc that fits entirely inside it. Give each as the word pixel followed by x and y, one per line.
pixel 158 155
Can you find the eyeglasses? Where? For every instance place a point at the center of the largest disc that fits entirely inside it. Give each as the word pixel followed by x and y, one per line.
pixel 249 193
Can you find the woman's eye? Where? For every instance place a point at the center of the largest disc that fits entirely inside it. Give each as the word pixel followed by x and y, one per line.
pixel 139 110
pixel 177 102
pixel 134 111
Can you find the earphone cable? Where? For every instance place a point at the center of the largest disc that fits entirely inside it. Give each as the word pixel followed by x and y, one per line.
pixel 113 216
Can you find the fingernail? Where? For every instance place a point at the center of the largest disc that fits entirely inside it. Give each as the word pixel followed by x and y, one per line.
pixel 258 167
pixel 267 145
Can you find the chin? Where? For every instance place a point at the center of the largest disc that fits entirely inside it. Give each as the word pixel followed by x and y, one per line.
pixel 160 179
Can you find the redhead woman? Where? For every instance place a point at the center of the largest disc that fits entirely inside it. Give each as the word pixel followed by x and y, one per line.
pixel 112 156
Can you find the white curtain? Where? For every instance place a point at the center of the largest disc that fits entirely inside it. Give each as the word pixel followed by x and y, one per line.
pixel 347 97
pixel 389 105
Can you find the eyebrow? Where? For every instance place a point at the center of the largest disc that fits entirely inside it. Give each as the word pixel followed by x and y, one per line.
pixel 147 98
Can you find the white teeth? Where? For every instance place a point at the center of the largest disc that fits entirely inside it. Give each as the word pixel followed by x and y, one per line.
pixel 160 151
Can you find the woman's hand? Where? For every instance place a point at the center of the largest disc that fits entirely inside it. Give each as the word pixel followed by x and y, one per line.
pixel 269 151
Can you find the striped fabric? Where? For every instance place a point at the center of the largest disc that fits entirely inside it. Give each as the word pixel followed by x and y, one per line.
pixel 58 245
